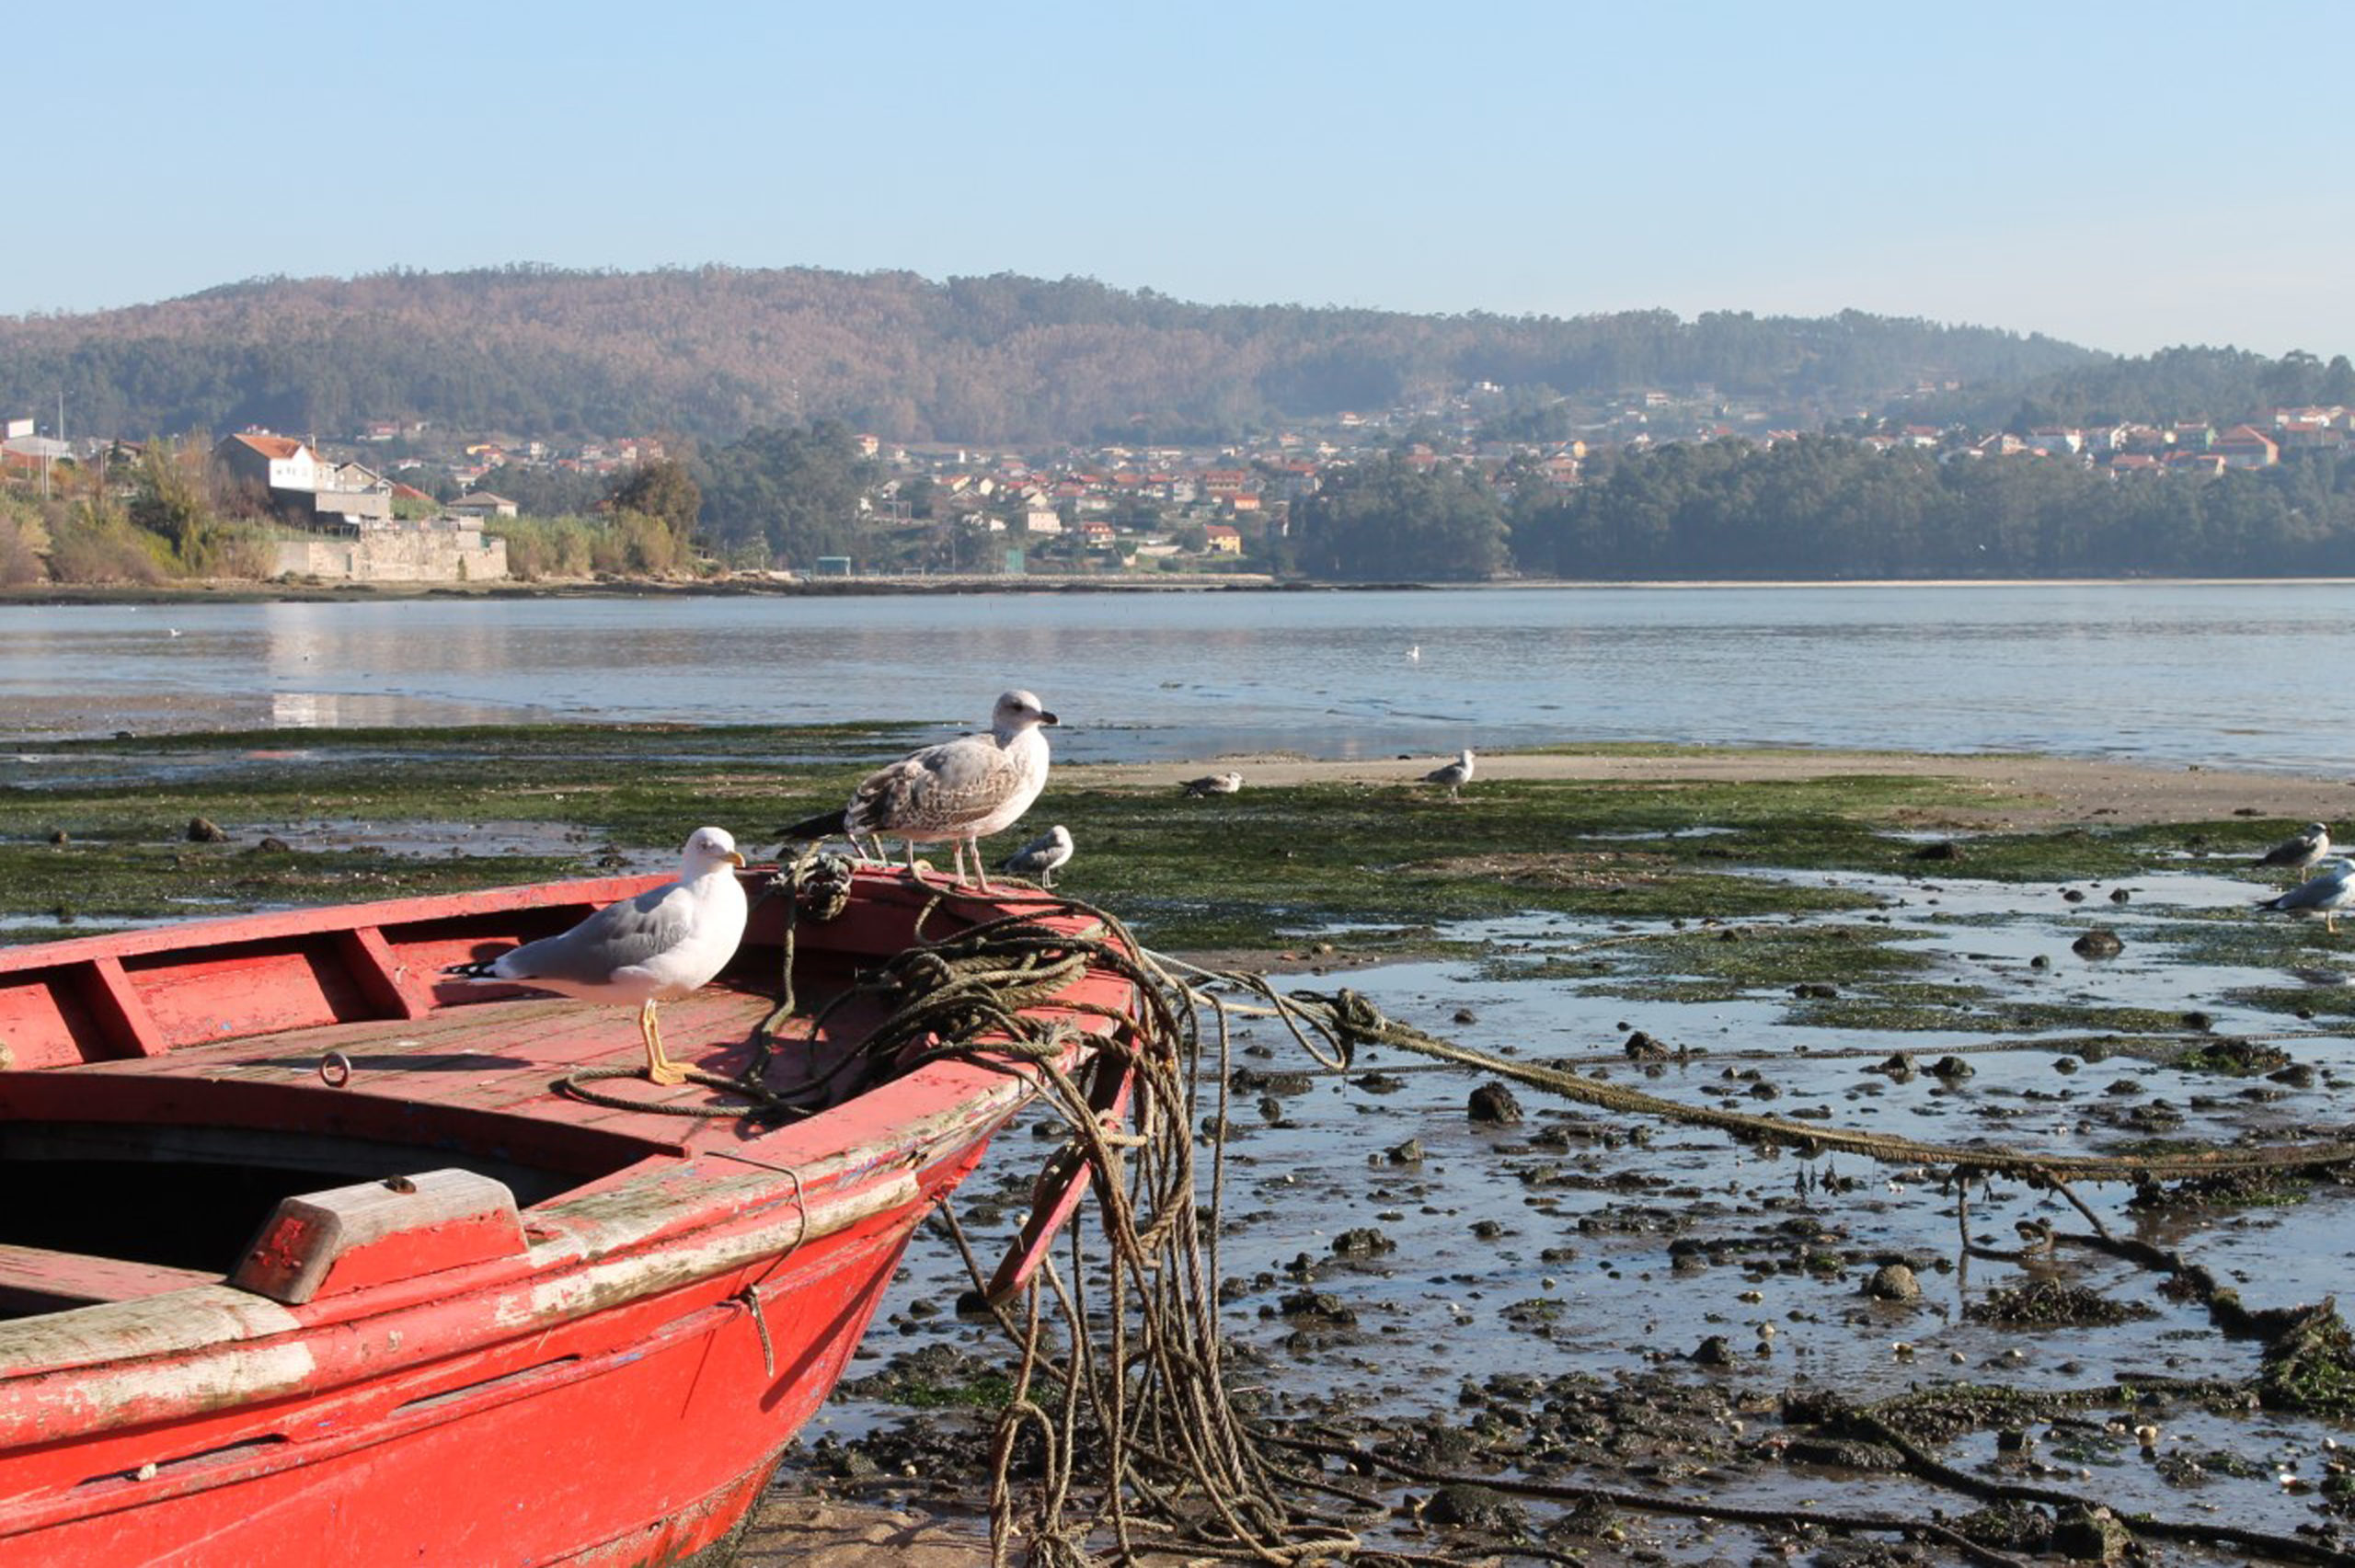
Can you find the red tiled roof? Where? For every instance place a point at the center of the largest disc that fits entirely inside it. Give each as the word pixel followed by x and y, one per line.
pixel 277 448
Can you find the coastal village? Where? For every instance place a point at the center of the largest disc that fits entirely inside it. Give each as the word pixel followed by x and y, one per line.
pixel 400 500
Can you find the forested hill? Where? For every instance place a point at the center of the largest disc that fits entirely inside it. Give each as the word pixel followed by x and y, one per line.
pixel 714 353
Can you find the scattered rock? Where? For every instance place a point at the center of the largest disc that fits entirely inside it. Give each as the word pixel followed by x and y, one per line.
pixel 203 830
pixel 1465 1015
pixel 1898 1065
pixel 2074 895
pixel 1364 1242
pixel 1408 1154
pixel 272 844
pixel 1492 1104
pixel 1952 1069
pixel 1641 1046
pixel 1714 1351
pixel 2098 943
pixel 2121 895
pixel 1815 991
pixel 1893 1282
pixel 1475 1507
pixel 1944 849
pixel 59 837
pixel 2090 1535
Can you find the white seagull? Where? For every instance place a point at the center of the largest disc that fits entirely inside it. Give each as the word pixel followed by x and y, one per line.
pixel 2327 893
pixel 665 944
pixel 2300 850
pixel 1213 783
pixel 1042 856
pixel 961 790
pixel 1455 775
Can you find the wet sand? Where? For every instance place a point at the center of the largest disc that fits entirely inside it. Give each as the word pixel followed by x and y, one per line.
pixel 2021 791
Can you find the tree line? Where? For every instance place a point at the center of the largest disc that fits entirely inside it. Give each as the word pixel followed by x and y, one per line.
pixel 718 352
pixel 1829 507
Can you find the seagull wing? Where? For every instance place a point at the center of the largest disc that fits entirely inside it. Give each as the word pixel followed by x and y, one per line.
pixel 617 937
pixel 936 790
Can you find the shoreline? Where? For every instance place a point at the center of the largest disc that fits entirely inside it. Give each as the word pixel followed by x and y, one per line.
pixel 56 595
pixel 2021 790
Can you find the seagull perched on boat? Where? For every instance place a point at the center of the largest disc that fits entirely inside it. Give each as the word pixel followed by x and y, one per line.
pixel 1213 783
pixel 2300 850
pixel 961 790
pixel 2327 893
pixel 1455 775
pixel 659 946
pixel 1042 856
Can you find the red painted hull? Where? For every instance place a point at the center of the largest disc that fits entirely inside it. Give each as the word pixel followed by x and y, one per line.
pixel 584 1379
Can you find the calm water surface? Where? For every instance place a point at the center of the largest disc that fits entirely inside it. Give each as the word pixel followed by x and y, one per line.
pixel 2220 674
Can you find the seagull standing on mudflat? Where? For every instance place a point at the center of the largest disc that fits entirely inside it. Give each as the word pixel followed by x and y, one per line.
pixel 2300 850
pixel 1455 775
pixel 961 790
pixel 664 943
pixel 1042 856
pixel 2326 894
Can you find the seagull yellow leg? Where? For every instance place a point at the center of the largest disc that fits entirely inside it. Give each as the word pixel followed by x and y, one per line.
pixel 659 1068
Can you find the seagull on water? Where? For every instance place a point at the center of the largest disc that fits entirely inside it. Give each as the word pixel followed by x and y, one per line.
pixel 2327 893
pixel 961 790
pixel 1042 856
pixel 1213 783
pixel 659 946
pixel 2300 850
pixel 1455 775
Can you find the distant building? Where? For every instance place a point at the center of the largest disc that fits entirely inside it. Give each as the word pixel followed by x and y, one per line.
pixel 272 461
pixel 1223 540
pixel 479 504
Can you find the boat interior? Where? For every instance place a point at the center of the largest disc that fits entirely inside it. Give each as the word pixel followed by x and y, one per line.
pixel 159 1105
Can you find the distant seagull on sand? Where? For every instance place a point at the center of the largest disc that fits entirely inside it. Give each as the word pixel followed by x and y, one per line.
pixel 961 790
pixel 2300 850
pixel 1041 857
pixel 662 946
pixel 2327 893
pixel 1455 775
pixel 1213 783
pixel 1413 653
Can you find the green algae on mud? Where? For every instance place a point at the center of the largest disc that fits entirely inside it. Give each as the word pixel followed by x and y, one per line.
pixel 1391 862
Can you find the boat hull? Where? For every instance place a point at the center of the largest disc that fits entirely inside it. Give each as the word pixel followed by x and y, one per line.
pixel 613 1391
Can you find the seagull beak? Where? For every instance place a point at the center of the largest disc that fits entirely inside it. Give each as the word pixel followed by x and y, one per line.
pixel 736 859
pixel 1046 718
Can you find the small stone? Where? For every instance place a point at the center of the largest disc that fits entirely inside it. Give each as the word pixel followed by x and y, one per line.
pixel 1893 1282
pixel 1952 1069
pixel 2203 1021
pixel 1408 1154
pixel 1641 1046
pixel 1364 1242
pixel 2064 1064
pixel 1492 1104
pixel 2121 895
pixel 273 845
pixel 1815 991
pixel 2098 943
pixel 1714 1351
pixel 2090 1535
pixel 2073 895
pixel 1944 849
pixel 203 830
pixel 1465 1015
pixel 59 837
pixel 2039 961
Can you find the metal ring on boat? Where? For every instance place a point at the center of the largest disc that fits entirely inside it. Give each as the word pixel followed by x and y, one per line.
pixel 335 1070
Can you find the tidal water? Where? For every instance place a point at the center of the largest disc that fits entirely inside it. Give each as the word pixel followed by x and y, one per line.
pixel 2231 674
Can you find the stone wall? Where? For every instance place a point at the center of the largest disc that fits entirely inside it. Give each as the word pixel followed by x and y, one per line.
pixel 396 554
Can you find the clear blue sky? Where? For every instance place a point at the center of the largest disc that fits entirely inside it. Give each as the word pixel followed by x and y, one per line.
pixel 2125 176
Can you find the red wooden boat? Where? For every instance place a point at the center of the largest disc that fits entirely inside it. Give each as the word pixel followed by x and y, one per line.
pixel 307 1259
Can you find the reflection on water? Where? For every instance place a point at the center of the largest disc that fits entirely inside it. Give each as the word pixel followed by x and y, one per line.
pixel 2209 673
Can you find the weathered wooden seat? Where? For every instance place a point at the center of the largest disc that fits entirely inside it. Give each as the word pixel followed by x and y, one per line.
pixel 40 1279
